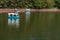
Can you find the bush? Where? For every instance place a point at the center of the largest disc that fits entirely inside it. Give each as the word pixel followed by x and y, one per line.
pixel 38 4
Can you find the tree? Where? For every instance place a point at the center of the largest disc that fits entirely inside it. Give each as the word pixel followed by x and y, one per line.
pixel 50 3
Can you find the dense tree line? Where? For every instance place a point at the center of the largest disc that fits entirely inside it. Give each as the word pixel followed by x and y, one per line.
pixel 38 4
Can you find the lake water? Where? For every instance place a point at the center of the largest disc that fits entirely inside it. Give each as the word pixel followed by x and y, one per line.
pixel 38 26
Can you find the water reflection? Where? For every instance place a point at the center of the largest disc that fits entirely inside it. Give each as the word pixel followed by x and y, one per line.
pixel 42 26
pixel 27 15
pixel 13 22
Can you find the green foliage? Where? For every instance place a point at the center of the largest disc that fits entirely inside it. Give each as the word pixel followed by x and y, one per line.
pixel 57 4
pixel 29 4
pixel 50 3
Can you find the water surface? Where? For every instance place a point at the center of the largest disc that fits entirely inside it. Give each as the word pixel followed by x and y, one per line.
pixel 40 26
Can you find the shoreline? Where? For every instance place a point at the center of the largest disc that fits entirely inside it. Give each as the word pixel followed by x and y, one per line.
pixel 32 10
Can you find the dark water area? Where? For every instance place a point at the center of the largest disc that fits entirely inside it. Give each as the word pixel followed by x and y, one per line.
pixel 40 26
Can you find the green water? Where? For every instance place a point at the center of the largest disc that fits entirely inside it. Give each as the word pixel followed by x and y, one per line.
pixel 42 26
